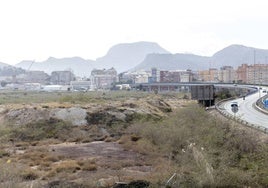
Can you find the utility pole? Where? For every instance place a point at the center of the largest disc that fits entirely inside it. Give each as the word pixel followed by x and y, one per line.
pixel 254 59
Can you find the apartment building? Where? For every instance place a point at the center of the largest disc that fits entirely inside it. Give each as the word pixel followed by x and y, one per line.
pixel 253 74
pixel 103 79
pixel 241 73
pixel 227 74
pixel 176 76
pixel 210 75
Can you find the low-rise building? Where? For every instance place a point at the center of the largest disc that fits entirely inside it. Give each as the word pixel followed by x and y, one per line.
pixel 81 85
pixel 176 76
pixel 62 77
pixel 140 76
pixel 103 79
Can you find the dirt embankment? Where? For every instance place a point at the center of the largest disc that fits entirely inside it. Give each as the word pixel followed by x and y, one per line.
pixel 94 113
pixel 98 157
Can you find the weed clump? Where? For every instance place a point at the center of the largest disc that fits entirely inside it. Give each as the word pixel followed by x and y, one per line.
pixel 41 130
pixel 210 151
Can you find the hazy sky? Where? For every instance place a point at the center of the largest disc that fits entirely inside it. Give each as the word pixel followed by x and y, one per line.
pixel 37 29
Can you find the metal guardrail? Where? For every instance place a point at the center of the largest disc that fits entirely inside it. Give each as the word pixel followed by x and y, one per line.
pixel 230 116
pixel 259 105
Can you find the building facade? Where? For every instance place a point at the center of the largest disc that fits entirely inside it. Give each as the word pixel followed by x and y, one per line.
pixel 103 79
pixel 176 76
pixel 253 74
pixel 227 74
pixel 210 75
pixel 34 77
pixel 62 77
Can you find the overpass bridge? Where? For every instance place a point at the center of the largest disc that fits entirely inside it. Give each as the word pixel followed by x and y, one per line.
pixel 203 92
pixel 185 86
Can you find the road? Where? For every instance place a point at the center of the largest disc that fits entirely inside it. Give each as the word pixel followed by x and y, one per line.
pixel 246 111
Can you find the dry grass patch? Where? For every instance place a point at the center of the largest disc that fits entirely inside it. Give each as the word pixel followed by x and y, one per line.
pixel 142 146
pixel 33 158
pixel 69 166
pixel 29 175
pixel 88 164
pixel 52 158
pixel 39 158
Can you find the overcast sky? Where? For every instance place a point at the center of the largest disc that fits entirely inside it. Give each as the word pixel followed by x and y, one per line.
pixel 38 29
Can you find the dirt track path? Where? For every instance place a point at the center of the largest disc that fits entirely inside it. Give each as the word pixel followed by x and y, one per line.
pixel 105 152
pixel 93 149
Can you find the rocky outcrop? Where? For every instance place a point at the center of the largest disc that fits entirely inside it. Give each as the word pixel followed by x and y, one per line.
pixel 75 115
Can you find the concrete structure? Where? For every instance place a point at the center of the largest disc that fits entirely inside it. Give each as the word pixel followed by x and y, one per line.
pixel 210 75
pixel 186 76
pixel 103 79
pixel 141 78
pixel 135 77
pixel 32 86
pixel 122 87
pixel 51 88
pixel 125 77
pixel 62 77
pixel 169 76
pixel 155 76
pixel 81 85
pixel 253 74
pixel 241 73
pixel 33 77
pixel 205 94
pixel 227 74
pixel 257 74
pixel 176 76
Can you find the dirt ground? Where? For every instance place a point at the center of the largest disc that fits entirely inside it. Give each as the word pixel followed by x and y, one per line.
pixel 92 162
pixel 103 152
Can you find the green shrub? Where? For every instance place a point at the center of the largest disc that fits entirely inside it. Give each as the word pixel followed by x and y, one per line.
pixel 192 140
pixel 41 130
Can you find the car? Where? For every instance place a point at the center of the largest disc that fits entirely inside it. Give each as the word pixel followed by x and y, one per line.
pixel 234 104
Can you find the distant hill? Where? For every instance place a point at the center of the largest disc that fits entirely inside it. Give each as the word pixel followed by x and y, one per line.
pixel 4 65
pixel 145 55
pixel 8 70
pixel 236 55
pixel 233 55
pixel 79 66
pixel 127 55
pixel 174 62
pixel 121 57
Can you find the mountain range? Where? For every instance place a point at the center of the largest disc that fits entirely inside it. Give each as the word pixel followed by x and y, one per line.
pixel 145 55
pixel 3 65
pixel 78 65
pixel 124 56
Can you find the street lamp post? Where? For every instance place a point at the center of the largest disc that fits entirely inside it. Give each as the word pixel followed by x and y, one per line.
pixel 260 84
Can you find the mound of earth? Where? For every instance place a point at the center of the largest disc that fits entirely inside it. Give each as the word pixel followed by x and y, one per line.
pixel 94 113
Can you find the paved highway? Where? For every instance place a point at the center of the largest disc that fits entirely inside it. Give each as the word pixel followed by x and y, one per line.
pixel 246 111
